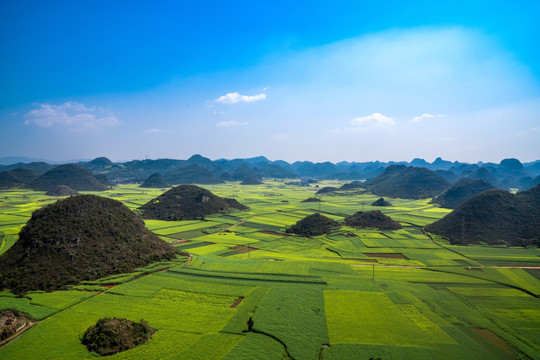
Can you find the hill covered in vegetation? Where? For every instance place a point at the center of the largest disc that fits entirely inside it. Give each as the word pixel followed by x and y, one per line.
pixel 112 335
pixel 75 176
pixel 61 190
pixel 185 202
pixel 381 202
pixel 252 180
pixel 374 219
pixel 313 225
pixel 407 183
pixel 83 237
pixel 191 174
pixel 462 190
pixel 155 181
pixel 494 217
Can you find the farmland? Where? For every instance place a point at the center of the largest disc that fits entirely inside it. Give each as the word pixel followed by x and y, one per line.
pixel 250 290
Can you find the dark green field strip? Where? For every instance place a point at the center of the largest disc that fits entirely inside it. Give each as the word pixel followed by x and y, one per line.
pixel 271 278
pixel 194 245
pixel 486 279
pixel 260 226
pixel 238 324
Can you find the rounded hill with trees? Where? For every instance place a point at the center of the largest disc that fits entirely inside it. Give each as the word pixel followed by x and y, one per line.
pixel 82 237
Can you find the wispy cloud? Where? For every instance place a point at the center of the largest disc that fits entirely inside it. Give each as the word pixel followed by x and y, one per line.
pixel 374 120
pixel 235 98
pixel 365 123
pixel 427 116
pixel 152 131
pixel 422 117
pixel 72 115
pixel 231 124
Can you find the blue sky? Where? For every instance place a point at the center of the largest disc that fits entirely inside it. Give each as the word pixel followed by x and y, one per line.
pixel 346 80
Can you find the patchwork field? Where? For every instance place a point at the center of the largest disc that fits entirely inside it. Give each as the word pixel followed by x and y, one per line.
pixel 246 289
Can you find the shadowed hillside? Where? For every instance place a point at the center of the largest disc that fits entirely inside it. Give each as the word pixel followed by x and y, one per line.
pixel 155 181
pixel 407 182
pixel 72 175
pixel 462 190
pixel 494 217
pixel 187 202
pixel 191 174
pixel 252 180
pixel 83 237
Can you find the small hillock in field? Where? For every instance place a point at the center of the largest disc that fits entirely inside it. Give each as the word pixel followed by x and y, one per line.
pixel 11 321
pixel 155 181
pixel 252 180
pixel 462 190
pixel 313 225
pixel 407 183
pixel 72 175
pixel 61 190
pixel 351 186
pixel 375 219
pixel 187 202
pixel 82 237
pixel 327 190
pixel 312 199
pixel 191 174
pixel 494 217
pixel 381 202
pixel 111 335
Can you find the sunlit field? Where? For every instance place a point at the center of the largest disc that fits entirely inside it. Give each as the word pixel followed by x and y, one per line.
pixel 246 289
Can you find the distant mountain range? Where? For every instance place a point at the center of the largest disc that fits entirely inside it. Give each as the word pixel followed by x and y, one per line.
pixel 508 174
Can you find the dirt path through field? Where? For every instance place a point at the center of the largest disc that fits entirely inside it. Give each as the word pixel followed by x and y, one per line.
pixel 239 223
pixel 444 247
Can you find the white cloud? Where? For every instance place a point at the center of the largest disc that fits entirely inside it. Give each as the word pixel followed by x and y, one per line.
pixel 231 124
pixel 235 98
pixel 422 117
pixel 72 115
pixel 427 116
pixel 374 120
pixel 152 131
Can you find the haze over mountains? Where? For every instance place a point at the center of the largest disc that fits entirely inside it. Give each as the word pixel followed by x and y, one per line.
pixel 508 174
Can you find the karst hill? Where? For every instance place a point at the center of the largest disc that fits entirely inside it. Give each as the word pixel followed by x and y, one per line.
pixel 155 181
pixel 185 202
pixel 407 182
pixel 313 225
pixel 494 217
pixel 75 176
pixel 375 219
pixel 461 191
pixel 82 237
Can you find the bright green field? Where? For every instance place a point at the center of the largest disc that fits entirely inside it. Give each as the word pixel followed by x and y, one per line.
pixel 252 291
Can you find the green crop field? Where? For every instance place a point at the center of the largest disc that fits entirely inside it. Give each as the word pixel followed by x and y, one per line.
pixel 249 290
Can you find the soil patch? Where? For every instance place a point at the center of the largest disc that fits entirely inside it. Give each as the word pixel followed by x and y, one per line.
pixel 237 302
pixel 387 256
pixel 363 260
pixel 496 341
pixel 181 241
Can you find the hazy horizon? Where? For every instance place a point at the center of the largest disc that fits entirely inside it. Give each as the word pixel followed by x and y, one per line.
pixel 354 81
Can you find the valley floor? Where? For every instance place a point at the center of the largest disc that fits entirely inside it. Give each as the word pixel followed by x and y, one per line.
pixel 248 290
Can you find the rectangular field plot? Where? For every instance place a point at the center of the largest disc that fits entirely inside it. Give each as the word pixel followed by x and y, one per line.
pixel 364 317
